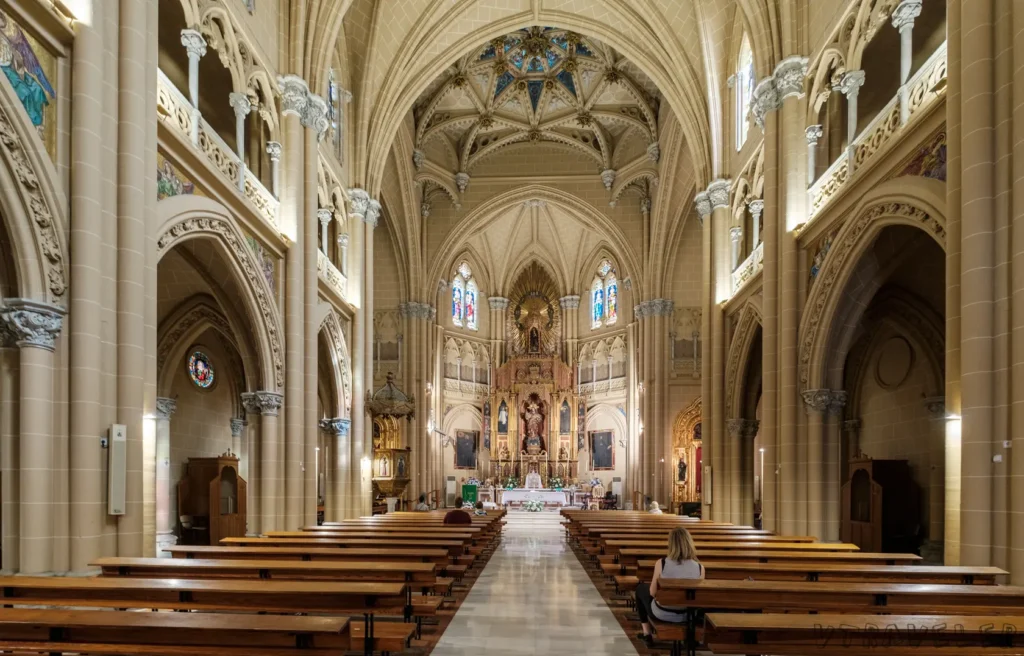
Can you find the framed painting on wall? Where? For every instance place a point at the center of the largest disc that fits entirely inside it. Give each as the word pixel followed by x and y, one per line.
pixel 564 421
pixel 465 449
pixel 602 450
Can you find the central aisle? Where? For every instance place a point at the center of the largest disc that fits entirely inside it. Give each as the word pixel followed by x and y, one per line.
pixel 533 597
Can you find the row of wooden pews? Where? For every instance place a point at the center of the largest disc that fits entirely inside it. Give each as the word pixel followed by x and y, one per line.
pixel 365 585
pixel 793 595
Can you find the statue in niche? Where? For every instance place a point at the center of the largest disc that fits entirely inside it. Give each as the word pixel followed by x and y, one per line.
pixel 682 470
pixel 563 453
pixel 385 466
pixel 534 340
pixel 533 421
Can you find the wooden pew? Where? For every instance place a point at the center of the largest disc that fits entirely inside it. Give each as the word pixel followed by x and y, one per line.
pixel 314 554
pixel 613 546
pixel 455 547
pixel 628 558
pixel 864 635
pixel 54 631
pixel 840 572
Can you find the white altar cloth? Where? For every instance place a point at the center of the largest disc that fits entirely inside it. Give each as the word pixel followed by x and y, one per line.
pixel 520 495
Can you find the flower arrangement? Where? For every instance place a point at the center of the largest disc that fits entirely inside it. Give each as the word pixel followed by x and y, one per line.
pixel 556 482
pixel 532 505
pixel 511 483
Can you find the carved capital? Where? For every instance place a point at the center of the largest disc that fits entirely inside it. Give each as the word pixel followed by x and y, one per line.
pixel 237 427
pixel 850 83
pixel 645 204
pixel 240 103
pixel 418 158
pixel 735 233
pixel 314 115
pixel 294 95
pixel 718 193
pixel 194 43
pixel 654 152
pixel 835 407
pixel 571 302
pixel 274 151
pixel 425 210
pixel 359 202
pixel 816 400
pixel 343 240
pixel 766 99
pixel 658 307
pixel 31 323
pixel 498 303
pixel 905 13
pixel 789 77
pixel 627 284
pixel 462 181
pixel 703 203
pixel 608 178
pixel 262 403
pixel 745 428
pixel 414 310
pixel 756 207
pixel 372 213
pixel 165 407
pixel 336 426
pixel 325 214
pixel 813 133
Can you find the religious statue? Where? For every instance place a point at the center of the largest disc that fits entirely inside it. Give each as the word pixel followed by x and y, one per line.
pixel 534 340
pixel 563 453
pixel 385 467
pixel 534 421
pixel 682 471
pixel 503 418
pixel 504 453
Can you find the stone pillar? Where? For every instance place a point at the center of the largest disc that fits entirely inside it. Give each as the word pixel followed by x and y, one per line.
pixel 268 405
pixel 164 513
pixel 816 403
pixel 703 206
pixel 756 207
pixel 195 44
pixel 849 85
pixel 833 474
pixel 732 445
pixel 747 433
pixel 813 133
pixel 240 103
pixel 337 431
pixel 903 20
pixel 274 152
pixel 253 466
pixel 723 484
pixel 498 307
pixel 736 240
pixel 33 327
pixel 325 216
pixel 852 429
pixel 571 325
pixel 238 446
pixel 932 549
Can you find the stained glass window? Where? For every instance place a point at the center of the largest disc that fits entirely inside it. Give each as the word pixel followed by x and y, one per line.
pixel 457 301
pixel 200 370
pixel 611 299
pixel 470 303
pixel 744 85
pixel 597 303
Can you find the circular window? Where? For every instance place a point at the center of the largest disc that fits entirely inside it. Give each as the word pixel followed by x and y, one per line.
pixel 200 370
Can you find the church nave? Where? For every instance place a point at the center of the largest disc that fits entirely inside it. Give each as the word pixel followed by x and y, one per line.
pixel 533 597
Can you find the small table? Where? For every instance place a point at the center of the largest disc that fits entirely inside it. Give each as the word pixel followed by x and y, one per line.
pixel 521 495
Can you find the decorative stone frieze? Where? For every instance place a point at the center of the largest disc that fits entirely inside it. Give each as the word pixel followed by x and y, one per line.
pixel 337 426
pixel 742 428
pixel 569 302
pixel 658 307
pixel 789 77
pixel 498 303
pixel 31 323
pixel 262 403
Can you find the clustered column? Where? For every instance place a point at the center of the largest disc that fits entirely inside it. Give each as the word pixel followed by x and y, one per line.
pixel 195 45
pixel 339 468
pixel 165 409
pixel 268 445
pixel 656 441
pixel 498 307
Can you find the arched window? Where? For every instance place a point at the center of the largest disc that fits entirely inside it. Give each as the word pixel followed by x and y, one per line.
pixel 744 85
pixel 604 297
pixel 465 296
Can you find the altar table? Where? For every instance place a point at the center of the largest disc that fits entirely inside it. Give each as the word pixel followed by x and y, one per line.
pixel 520 495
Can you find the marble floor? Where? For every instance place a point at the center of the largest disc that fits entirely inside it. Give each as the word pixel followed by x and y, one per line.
pixel 533 597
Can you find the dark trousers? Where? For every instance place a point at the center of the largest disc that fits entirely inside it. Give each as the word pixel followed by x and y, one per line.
pixel 644 601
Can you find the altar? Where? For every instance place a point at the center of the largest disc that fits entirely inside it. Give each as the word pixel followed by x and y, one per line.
pixel 520 495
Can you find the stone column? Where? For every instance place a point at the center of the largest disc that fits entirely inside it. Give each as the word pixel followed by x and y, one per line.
pixel 748 431
pixel 703 206
pixel 732 445
pixel 660 314
pixel 498 307
pixel 816 403
pixel 932 549
pixel 755 207
pixel 337 431
pixel 723 484
pixel 164 513
pixel 903 20
pixel 736 240
pixel 813 133
pixel 238 445
pixel 274 152
pixel 833 476
pixel 570 311
pixel 195 44
pixel 849 85
pixel 33 327
pixel 254 465
pixel 268 405
pixel 343 246
pixel 240 103
pixel 852 429
pixel 325 216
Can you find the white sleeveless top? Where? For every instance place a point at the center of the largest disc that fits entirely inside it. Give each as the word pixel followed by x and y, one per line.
pixel 671 569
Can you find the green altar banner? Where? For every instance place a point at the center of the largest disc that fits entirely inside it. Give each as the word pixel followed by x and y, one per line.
pixel 469 493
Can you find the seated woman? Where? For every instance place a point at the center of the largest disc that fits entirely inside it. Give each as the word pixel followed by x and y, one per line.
pixel 655 508
pixel 681 563
pixel 480 509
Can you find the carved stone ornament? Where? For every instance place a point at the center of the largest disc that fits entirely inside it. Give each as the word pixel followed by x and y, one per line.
pixel 766 99
pixel 838 402
pixel 850 83
pixel 336 338
pixel 30 323
pixel 29 187
pixel 314 115
pixel 252 272
pixel 627 284
pixel 905 13
pixel 569 302
pixel 658 307
pixel 718 193
pixel 936 406
pixel 418 159
pixel 359 202
pixel 425 210
pixel 240 103
pixel 608 178
pixel 294 94
pixel 165 407
pixel 462 181
pixel 274 150
pixel 414 310
pixel 735 233
pixel 654 152
pixel 336 426
pixel 789 77
pixel 262 403
pixel 816 400
pixel 498 303
pixel 813 133
pixel 535 202
pixel 742 428
pixel 756 207
pixel 195 44
pixel 703 203
pixel 645 205
pixel 372 213
pixel 237 426
pixel 324 215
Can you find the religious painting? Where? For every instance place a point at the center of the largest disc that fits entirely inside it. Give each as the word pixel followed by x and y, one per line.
pixel 170 181
pixel 32 72
pixel 502 419
pixel 564 418
pixel 611 300
pixel 696 432
pixel 487 425
pixel 465 449
pixel 597 304
pixel 602 450
pixel 581 425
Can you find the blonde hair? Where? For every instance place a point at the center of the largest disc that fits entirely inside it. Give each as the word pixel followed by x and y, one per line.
pixel 680 545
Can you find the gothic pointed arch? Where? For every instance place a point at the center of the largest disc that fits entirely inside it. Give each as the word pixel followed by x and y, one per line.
pixel 340 364
pixel 740 349
pixel 183 218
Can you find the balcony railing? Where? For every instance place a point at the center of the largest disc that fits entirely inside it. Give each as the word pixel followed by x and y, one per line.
pixel 466 387
pixel 176 112
pixel 748 268
pixel 603 386
pixel 330 274
pixel 925 88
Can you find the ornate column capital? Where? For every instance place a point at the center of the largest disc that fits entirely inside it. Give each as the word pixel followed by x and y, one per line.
pixel 262 403
pixel 274 151
pixel 337 426
pixel 851 426
pixel 765 99
pixel 314 115
pixel 373 213
pixel 905 13
pixel 418 158
pixel 789 77
pixel 742 427
pixel 165 407
pixel 571 302
pixel 608 178
pixel 658 307
pixel 294 94
pixel 850 83
pixel 462 181
pixel 425 210
pixel 645 205
pixel 732 426
pixel 363 206
pixel 31 323
pixel 936 406
pixel 343 240
pixel 325 214
pixel 240 103
pixel 414 310
pixel 718 193
pixel 498 303
pixel 816 400
pixel 654 152
pixel 756 207
pixel 194 43
pixel 813 133
pixel 735 233
pixel 237 426
pixel 835 407
pixel 703 203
